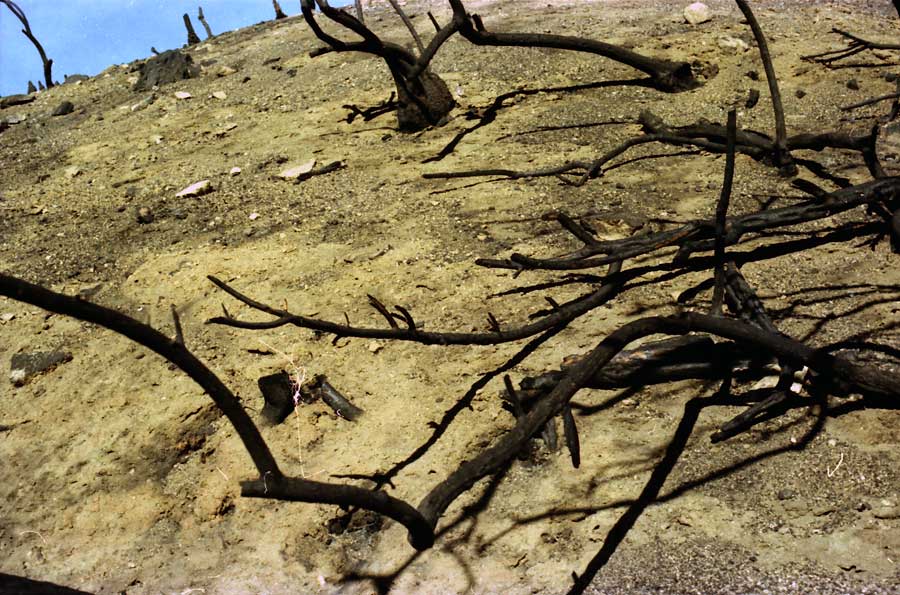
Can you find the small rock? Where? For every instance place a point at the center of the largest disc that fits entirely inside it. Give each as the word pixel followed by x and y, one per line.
pixel 64 108
pixel 886 512
pixel 800 93
pixel 143 103
pixel 786 494
pixel 182 95
pixel 736 45
pixel 17 377
pixel 6 317
pixel 254 216
pixel 374 346
pixel 766 382
pixel 234 171
pixel 219 95
pixel 890 76
pixel 157 139
pixel 15 119
pixel 73 171
pixel 196 189
pixel 753 75
pixel 853 85
pixel 224 129
pixel 144 215
pixel 225 71
pixel 823 510
pixel 89 291
pixel 293 173
pixel 11 100
pixel 697 13
pixel 24 366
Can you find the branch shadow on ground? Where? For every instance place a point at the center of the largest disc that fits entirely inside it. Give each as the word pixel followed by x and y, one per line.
pixel 490 113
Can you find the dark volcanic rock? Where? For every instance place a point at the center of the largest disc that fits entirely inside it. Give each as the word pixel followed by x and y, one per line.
pixel 11 100
pixel 24 366
pixel 168 67
pixel 64 108
pixel 74 78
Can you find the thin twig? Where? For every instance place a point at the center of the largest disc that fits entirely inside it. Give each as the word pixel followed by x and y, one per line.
pixel 722 216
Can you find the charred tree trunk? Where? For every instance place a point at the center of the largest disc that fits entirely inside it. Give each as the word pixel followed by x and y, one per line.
pixel 203 22
pixel 423 101
pixel 423 97
pixel 26 31
pixel 359 10
pixel 279 14
pixel 192 35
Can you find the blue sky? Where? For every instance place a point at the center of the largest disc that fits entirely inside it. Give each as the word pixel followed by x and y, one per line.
pixel 86 36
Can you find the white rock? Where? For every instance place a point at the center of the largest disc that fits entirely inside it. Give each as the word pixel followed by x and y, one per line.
pixel 254 216
pixel 697 13
pixel 766 382
pixel 73 171
pixel 182 95
pixel 144 103
pixel 17 377
pixel 196 189
pixel 736 45
pixel 225 71
pixel 7 316
pixel 234 171
pixel 219 95
pixel 292 173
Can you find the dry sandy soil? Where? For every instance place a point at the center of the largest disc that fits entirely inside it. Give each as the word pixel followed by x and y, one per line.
pixel 119 476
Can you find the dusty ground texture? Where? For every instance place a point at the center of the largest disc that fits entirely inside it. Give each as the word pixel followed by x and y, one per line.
pixel 118 475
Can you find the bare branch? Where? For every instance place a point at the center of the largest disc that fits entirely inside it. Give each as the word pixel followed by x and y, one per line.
pixel 26 31
pixel 783 158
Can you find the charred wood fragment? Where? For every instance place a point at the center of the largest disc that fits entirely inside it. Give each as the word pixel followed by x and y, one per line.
pixel 333 398
pixel 192 38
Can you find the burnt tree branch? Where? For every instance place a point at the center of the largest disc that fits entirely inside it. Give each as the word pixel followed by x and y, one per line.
pixel 665 75
pixel 26 31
